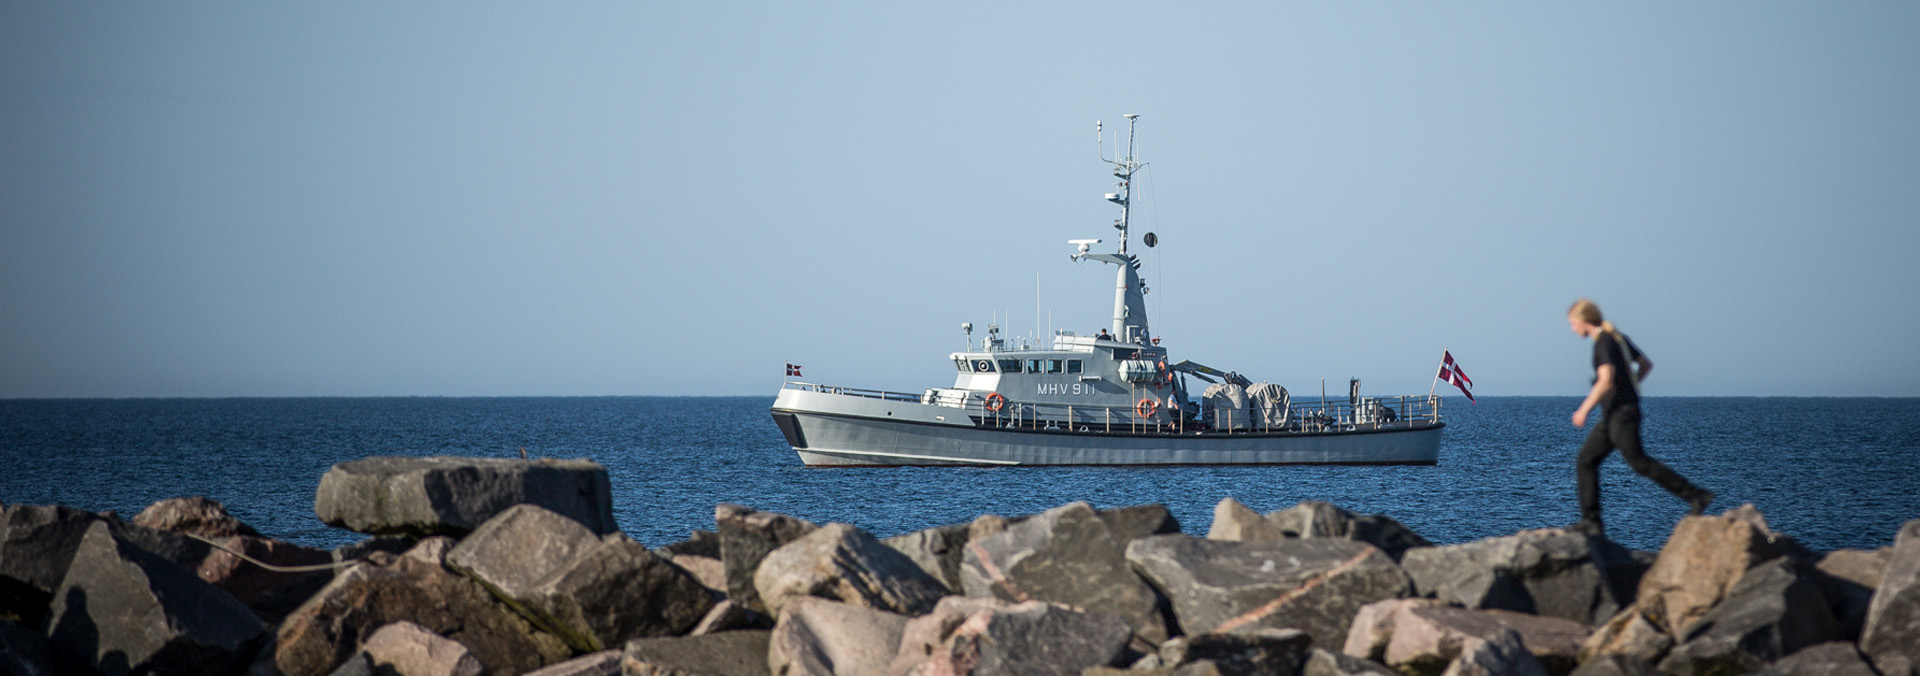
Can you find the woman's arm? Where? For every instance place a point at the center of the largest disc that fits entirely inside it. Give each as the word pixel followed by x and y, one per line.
pixel 1646 366
pixel 1602 384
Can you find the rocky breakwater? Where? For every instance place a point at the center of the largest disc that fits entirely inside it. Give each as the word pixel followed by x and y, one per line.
pixel 481 566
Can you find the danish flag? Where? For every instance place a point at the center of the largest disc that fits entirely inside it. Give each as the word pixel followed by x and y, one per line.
pixel 793 370
pixel 1450 372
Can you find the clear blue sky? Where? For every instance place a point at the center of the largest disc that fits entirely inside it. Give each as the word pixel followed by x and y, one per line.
pixel 273 199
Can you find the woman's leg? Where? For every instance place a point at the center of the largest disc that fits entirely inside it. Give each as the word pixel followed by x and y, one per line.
pixel 1587 468
pixel 1625 430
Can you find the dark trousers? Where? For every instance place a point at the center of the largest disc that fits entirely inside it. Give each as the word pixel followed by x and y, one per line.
pixel 1621 429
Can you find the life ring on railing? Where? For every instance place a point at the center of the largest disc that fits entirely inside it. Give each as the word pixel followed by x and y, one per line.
pixel 1146 407
pixel 995 402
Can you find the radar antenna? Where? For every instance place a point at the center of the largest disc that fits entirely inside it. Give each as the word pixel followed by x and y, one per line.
pixel 1129 305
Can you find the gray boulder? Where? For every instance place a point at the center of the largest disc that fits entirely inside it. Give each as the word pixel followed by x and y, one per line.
pixel 122 609
pixel 728 653
pixel 442 495
pixel 415 587
pixel 412 650
pixel 515 550
pixel 1316 519
pixel 989 637
pixel 1892 632
pixel 1547 572
pixel 711 573
pixel 1064 555
pixel 36 546
pixel 24 652
pixel 1771 612
pixel 1834 658
pixel 1316 585
pixel 844 563
pixel 1255 652
pixel 746 536
pixel 938 551
pixel 1127 524
pixel 1702 561
pixel 617 590
pixel 594 593
pixel 818 637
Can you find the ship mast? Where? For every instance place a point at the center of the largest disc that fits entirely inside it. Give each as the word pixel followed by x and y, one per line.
pixel 1129 294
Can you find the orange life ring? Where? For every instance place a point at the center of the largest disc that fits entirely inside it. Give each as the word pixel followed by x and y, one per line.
pixel 995 402
pixel 1146 407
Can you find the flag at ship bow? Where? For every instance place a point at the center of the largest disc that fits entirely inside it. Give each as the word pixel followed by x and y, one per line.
pixel 1450 372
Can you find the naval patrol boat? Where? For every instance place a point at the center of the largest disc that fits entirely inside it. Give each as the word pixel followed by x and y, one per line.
pixel 1108 399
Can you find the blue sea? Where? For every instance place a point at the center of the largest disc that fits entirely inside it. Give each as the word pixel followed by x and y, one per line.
pixel 1832 472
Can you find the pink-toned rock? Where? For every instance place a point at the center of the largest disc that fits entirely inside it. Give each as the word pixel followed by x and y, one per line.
pixel 1638 632
pixel 412 650
pixel 818 637
pixel 1503 654
pixel 727 615
pixel 270 593
pixel 711 573
pixel 1427 639
pixel 1238 522
pixel 197 515
pixel 1702 560
pixel 1372 627
pixel 603 663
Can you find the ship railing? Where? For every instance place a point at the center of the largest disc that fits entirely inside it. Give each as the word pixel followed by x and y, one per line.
pixel 1391 413
pixel 1372 413
pixel 851 391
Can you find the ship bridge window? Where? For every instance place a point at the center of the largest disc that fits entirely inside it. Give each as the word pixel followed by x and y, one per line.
pixel 1035 366
pixel 1009 366
pixel 1073 366
pixel 1053 366
pixel 983 366
pixel 1124 354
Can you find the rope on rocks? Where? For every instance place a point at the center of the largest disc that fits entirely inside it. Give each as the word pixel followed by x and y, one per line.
pixel 278 569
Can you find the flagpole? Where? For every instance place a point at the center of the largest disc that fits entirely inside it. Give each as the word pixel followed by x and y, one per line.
pixel 1436 374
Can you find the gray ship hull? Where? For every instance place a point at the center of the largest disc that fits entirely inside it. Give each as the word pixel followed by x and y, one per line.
pixel 828 429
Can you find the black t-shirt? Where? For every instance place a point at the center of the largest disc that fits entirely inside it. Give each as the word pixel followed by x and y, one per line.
pixel 1606 350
